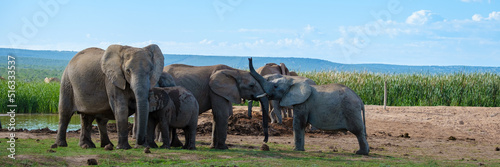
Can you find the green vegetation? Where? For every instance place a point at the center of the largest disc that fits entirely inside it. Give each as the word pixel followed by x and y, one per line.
pixel 31 97
pixel 459 89
pixel 30 152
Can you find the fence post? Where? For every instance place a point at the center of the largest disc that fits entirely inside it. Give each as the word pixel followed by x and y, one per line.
pixel 385 95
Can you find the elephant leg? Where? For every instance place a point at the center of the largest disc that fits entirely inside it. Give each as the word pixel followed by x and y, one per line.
pixel 103 131
pixel 299 128
pixel 355 125
pixel 165 134
pixel 65 113
pixel 221 109
pixel 284 113
pixel 122 128
pixel 273 116
pixel 150 135
pixel 289 113
pixel 64 118
pixel 85 133
pixel 134 128
pixel 175 139
pixel 190 132
pixel 276 110
pixel 158 134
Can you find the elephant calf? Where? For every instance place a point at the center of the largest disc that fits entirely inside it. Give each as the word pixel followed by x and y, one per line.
pixel 172 107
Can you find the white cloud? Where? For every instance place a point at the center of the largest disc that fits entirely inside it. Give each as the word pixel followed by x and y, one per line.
pixel 419 17
pixel 492 16
pixel 477 17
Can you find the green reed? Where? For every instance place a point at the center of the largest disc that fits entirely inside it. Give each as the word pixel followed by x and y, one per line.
pixel 31 97
pixel 458 89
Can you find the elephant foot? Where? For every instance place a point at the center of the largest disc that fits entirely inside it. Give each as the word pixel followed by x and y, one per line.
pixel 61 143
pixel 86 144
pixel 152 145
pixel 176 143
pixel 189 147
pixel 299 149
pixel 360 152
pixel 124 146
pixel 103 144
pixel 166 146
pixel 219 147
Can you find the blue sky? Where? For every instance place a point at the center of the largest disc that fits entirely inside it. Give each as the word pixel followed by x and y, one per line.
pixel 452 32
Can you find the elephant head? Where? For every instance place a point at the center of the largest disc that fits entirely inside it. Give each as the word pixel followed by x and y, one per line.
pixel 289 90
pixel 135 69
pixel 234 85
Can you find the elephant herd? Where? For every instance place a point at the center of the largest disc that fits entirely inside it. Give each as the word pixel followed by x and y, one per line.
pixel 122 80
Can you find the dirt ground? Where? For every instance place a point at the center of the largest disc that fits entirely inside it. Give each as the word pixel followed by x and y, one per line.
pixel 441 133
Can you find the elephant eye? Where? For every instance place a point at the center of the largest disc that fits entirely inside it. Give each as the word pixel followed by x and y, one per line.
pixel 275 86
pixel 128 71
pixel 252 85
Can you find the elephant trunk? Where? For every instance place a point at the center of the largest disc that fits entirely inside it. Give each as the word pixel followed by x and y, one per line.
pixel 265 117
pixel 262 81
pixel 141 87
pixel 250 105
pixel 264 101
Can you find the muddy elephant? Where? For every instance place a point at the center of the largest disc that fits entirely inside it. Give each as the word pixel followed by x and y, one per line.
pixel 326 107
pixel 172 107
pixel 217 87
pixel 109 84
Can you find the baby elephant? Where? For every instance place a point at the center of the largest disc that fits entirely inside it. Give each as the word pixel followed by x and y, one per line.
pixel 172 107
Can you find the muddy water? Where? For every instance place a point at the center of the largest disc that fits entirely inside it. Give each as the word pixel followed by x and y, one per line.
pixel 38 121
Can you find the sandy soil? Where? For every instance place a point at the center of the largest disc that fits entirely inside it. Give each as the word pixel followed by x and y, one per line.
pixel 442 133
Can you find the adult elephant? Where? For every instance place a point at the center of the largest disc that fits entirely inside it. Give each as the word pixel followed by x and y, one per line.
pixel 326 107
pixel 109 84
pixel 217 87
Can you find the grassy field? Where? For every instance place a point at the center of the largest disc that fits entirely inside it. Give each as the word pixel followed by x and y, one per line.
pixel 30 152
pixel 459 89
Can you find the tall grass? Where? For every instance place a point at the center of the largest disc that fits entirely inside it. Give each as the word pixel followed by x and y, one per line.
pixel 31 97
pixel 458 89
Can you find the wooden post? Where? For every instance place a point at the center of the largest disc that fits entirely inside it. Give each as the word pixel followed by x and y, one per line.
pixel 385 95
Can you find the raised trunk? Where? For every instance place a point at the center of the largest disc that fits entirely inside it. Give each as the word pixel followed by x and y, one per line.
pixel 140 86
pixel 264 102
pixel 262 81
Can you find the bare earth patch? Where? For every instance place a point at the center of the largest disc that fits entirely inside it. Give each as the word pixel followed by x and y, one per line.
pixel 441 133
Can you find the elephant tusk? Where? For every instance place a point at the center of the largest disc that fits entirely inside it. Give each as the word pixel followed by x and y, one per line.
pixel 262 95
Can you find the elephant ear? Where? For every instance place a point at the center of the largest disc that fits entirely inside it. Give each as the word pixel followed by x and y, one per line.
pixel 298 93
pixel 224 83
pixel 111 65
pixel 284 70
pixel 158 62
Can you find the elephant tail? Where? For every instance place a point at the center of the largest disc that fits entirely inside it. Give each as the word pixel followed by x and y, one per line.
pixel 364 118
